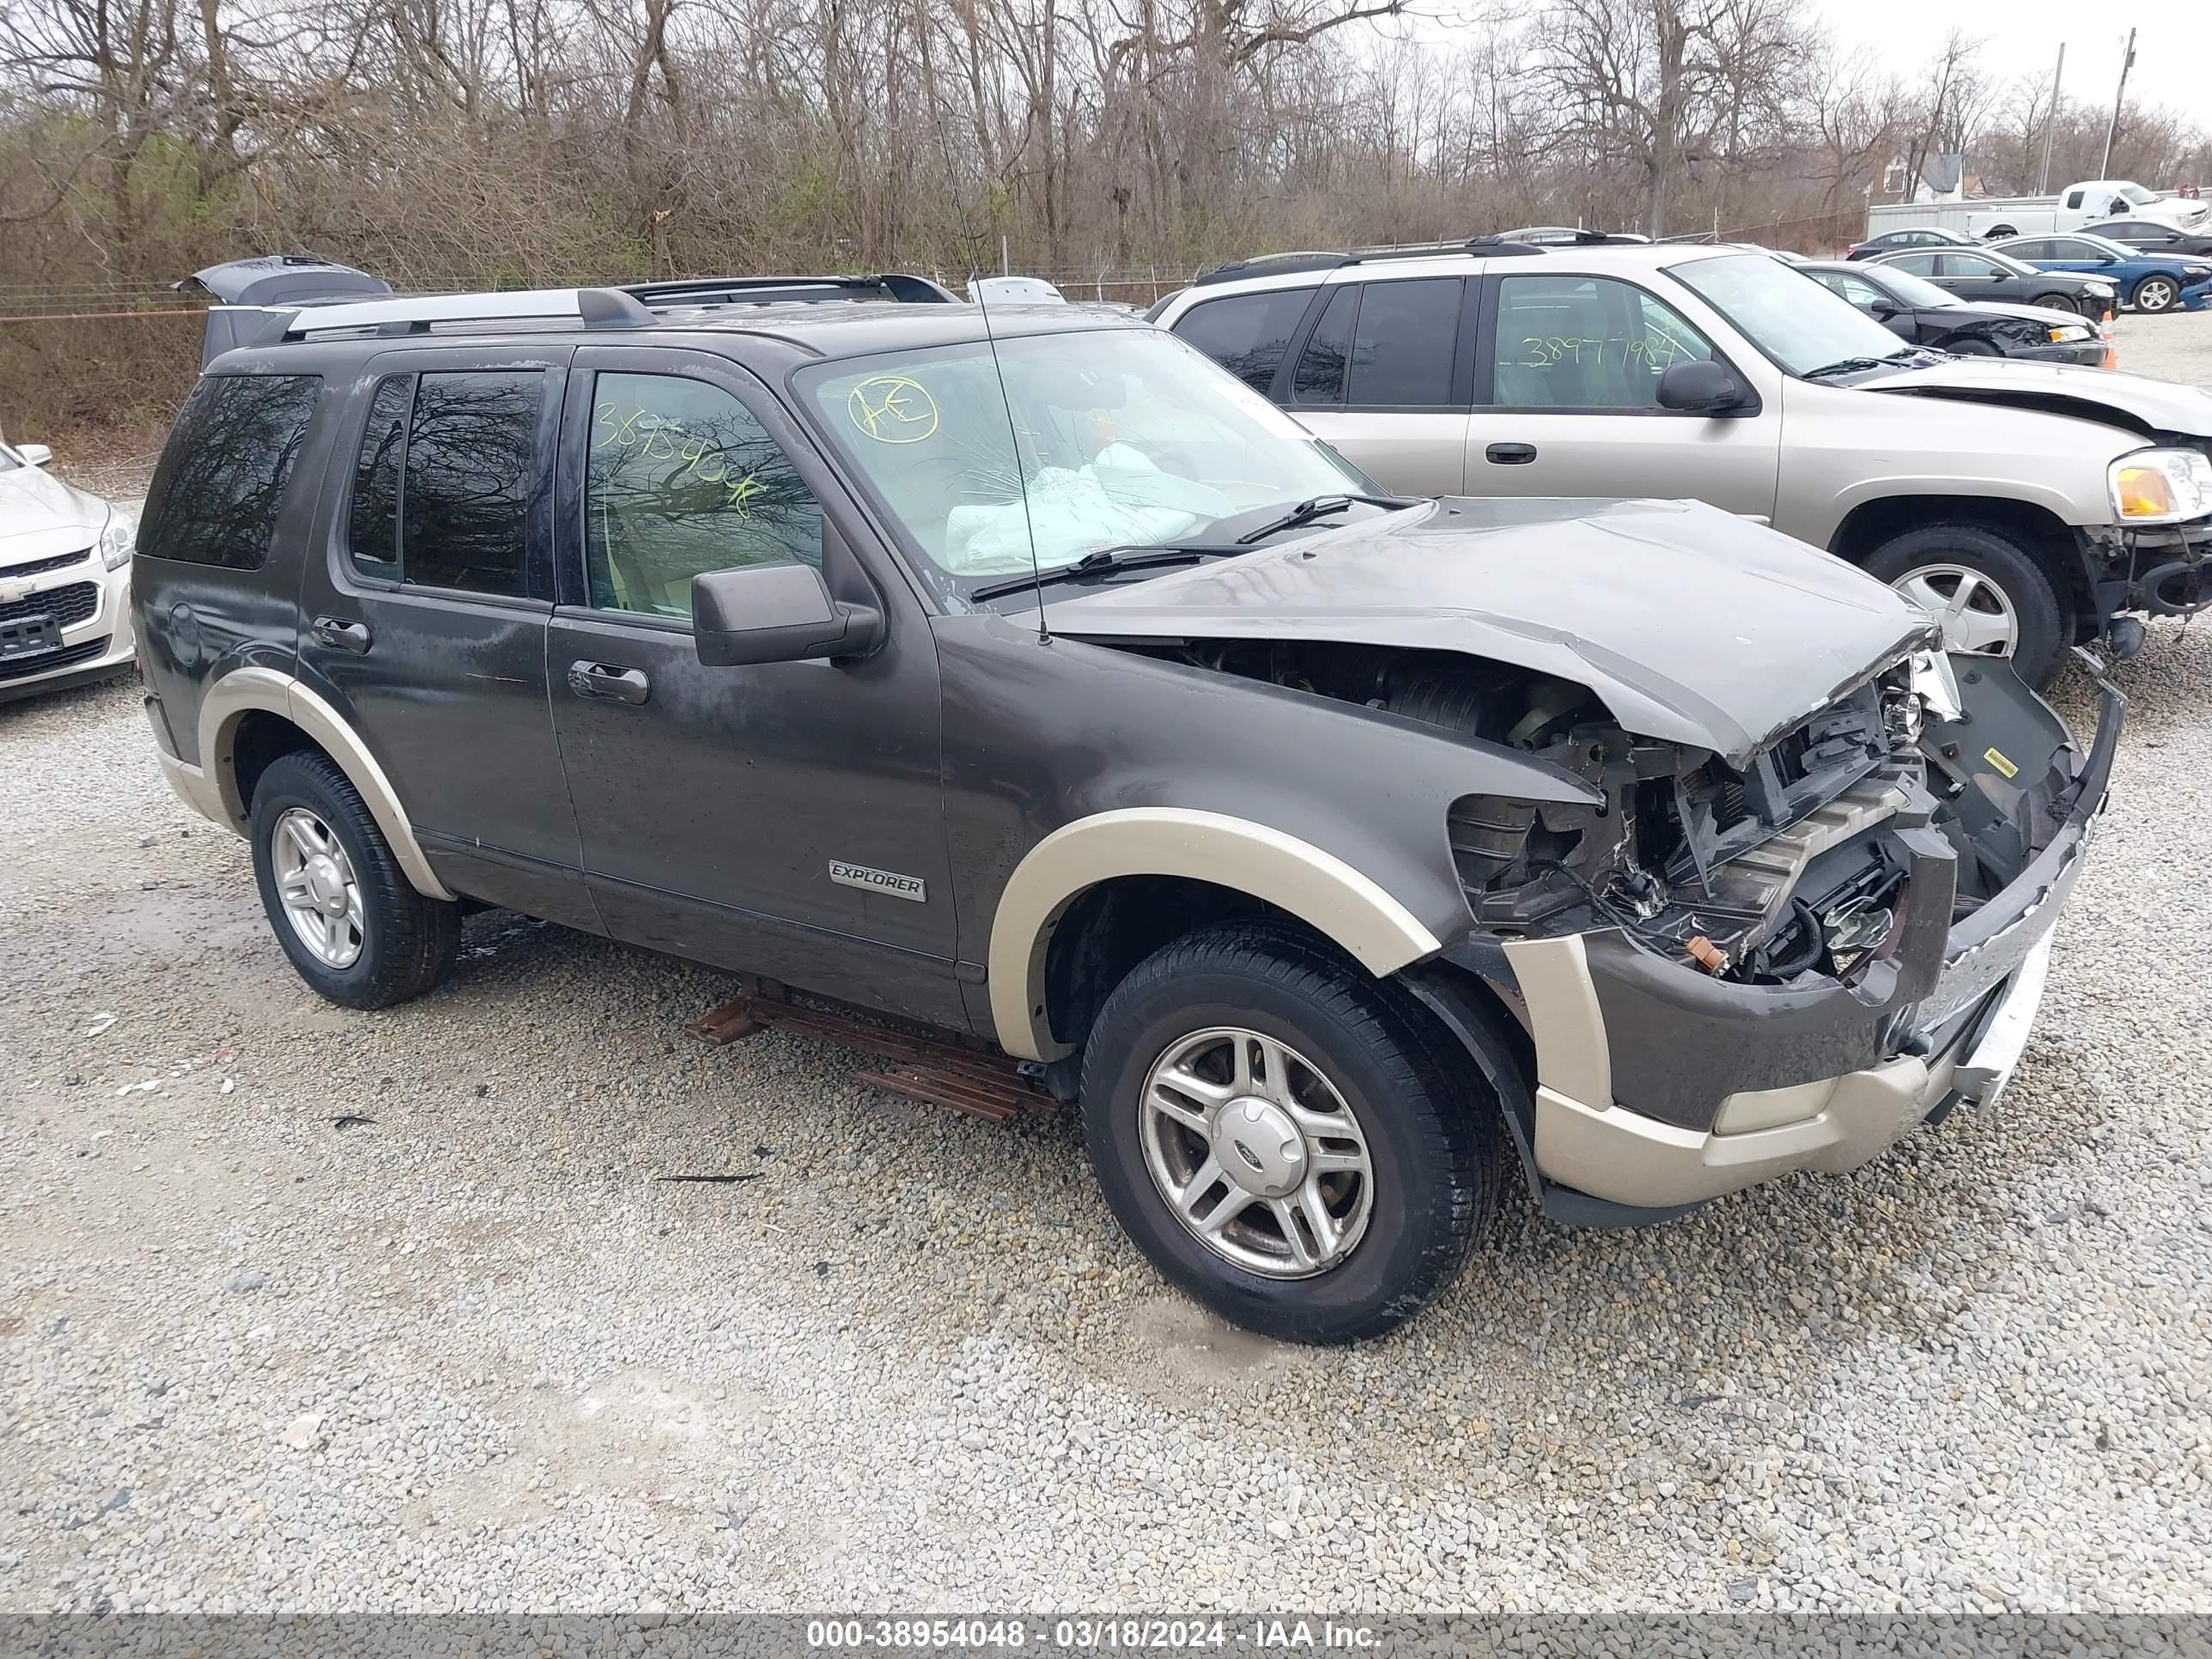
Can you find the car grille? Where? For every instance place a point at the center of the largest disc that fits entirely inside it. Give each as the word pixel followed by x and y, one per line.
pixel 68 605
pixel 16 668
pixel 39 567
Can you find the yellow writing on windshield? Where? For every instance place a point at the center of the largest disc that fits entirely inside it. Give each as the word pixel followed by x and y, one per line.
pixel 892 408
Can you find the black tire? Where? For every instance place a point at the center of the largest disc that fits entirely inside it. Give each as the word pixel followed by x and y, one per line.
pixel 407 941
pixel 2062 302
pixel 2156 293
pixel 1998 233
pixel 1968 345
pixel 1431 1126
pixel 2000 560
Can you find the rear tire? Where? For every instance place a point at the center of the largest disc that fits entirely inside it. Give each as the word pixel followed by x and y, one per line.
pixel 353 925
pixel 1998 233
pixel 2003 583
pixel 1280 1064
pixel 2156 293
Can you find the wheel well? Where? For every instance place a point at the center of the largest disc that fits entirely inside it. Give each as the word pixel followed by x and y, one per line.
pixel 2036 529
pixel 1111 927
pixel 259 739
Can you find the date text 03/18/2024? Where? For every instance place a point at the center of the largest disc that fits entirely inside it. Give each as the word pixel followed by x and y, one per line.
pixel 1112 1634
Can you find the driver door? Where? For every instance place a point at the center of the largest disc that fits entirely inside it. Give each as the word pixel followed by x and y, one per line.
pixel 742 816
pixel 1572 363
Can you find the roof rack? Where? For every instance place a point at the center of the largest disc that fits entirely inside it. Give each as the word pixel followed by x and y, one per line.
pixel 784 290
pixel 1286 264
pixel 595 307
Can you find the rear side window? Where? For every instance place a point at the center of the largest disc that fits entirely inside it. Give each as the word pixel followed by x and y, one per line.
pixel 1247 333
pixel 2033 249
pixel 443 480
pixel 372 521
pixel 1320 376
pixel 222 475
pixel 464 490
pixel 1405 343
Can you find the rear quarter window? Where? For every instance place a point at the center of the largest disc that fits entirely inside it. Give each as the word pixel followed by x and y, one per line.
pixel 215 495
pixel 1247 333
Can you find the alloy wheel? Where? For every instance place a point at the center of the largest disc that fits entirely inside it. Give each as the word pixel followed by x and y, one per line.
pixel 315 880
pixel 1976 615
pixel 1256 1154
pixel 2155 294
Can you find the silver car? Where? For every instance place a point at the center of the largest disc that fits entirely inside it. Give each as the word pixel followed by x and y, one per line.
pixel 64 580
pixel 2028 506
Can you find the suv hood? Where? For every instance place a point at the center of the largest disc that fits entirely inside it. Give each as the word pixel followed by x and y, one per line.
pixel 1691 624
pixel 2150 407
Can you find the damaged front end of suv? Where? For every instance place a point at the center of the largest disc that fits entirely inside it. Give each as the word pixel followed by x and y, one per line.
pixel 1746 926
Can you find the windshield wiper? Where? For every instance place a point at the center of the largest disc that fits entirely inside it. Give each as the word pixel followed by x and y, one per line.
pixel 1858 364
pixel 1090 564
pixel 1319 507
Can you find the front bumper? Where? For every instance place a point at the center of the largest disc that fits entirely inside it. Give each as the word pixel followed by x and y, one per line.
pixel 95 645
pixel 2197 296
pixel 1660 1086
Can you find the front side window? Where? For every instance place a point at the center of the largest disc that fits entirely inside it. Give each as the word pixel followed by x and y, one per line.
pixel 1247 333
pixel 1404 344
pixel 2038 249
pixel 1588 343
pixel 682 479
pixel 1863 295
pixel 2071 248
pixel 1920 264
pixel 471 462
pixel 221 479
pixel 1128 438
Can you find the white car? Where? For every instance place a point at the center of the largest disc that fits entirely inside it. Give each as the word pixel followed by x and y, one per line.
pixel 64 580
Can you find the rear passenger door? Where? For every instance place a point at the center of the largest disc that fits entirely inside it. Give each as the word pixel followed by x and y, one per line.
pixel 1380 374
pixel 426 619
pixel 1572 363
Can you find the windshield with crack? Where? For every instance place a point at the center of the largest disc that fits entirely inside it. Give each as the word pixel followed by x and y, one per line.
pixel 1791 318
pixel 1129 439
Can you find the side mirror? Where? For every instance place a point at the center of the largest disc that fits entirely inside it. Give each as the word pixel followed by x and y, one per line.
pixel 761 613
pixel 35 455
pixel 1700 387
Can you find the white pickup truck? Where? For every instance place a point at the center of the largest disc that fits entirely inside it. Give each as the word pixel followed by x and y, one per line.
pixel 1995 217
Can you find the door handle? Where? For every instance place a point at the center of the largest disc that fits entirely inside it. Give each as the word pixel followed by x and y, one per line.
pixel 608 682
pixel 343 635
pixel 1510 454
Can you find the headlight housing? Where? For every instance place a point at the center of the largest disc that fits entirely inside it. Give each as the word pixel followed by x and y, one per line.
pixel 2066 332
pixel 118 539
pixel 2104 290
pixel 2160 486
pixel 2197 273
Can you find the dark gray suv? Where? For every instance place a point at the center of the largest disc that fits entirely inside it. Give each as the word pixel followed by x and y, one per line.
pixel 1028 677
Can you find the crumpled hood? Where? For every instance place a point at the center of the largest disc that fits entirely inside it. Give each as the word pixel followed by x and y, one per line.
pixel 2097 394
pixel 1691 624
pixel 40 516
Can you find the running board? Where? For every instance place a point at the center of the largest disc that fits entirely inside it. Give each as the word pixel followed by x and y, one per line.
pixel 918 1066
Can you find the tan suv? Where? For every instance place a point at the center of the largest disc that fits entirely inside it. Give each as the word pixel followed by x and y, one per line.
pixel 2028 506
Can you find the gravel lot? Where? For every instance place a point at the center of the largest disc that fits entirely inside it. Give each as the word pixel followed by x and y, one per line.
pixel 304 1309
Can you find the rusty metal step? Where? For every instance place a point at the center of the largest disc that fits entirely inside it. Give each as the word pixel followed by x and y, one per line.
pixel 917 1065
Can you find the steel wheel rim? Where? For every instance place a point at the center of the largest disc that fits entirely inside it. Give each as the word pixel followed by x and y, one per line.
pixel 316 883
pixel 1256 1154
pixel 2156 294
pixel 1976 615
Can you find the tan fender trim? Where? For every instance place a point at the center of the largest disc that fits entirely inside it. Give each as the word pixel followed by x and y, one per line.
pixel 245 690
pixel 1317 887
pixel 1564 1017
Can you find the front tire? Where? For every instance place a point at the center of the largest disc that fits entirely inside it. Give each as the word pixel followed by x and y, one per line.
pixel 2061 302
pixel 354 927
pixel 2156 294
pixel 1287 1139
pixel 1987 590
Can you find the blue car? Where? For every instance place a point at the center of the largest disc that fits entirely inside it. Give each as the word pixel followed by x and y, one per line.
pixel 2148 282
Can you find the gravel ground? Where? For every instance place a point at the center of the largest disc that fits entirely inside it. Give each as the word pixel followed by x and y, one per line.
pixel 308 1310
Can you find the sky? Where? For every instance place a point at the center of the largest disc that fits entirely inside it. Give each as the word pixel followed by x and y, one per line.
pixel 2173 44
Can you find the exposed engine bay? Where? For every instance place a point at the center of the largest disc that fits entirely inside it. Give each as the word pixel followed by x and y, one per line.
pixel 1781 870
